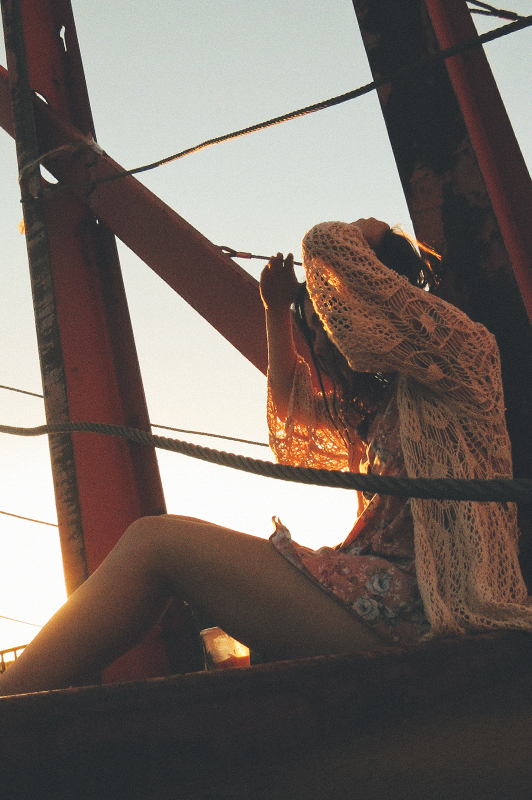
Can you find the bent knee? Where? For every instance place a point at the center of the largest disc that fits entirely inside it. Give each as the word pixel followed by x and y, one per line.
pixel 143 531
pixel 149 531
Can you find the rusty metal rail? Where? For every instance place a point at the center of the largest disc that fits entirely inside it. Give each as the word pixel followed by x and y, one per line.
pixel 5 661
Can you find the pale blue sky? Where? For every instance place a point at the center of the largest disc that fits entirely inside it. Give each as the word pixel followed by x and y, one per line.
pixel 162 77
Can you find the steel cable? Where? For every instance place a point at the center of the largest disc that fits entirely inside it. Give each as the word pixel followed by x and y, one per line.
pixel 421 64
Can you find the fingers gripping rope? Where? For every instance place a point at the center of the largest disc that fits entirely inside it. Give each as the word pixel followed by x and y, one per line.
pixel 500 490
pixel 236 254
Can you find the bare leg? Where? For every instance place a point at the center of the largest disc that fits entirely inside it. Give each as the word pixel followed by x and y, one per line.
pixel 240 581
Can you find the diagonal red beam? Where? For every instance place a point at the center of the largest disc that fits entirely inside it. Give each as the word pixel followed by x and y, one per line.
pixel 217 288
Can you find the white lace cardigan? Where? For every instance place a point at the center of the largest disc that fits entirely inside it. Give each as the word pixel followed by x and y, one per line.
pixel 451 416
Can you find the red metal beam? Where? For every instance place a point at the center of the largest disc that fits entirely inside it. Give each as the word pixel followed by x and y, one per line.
pixel 214 285
pixel 102 486
pixel 446 192
pixel 108 473
pixel 499 156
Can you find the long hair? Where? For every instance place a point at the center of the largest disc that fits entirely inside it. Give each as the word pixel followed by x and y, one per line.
pixel 356 395
pixel 411 258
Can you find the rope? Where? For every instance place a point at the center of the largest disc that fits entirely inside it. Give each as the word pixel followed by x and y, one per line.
pixel 499 490
pixel 491 11
pixel 504 30
pixel 30 519
pixel 237 254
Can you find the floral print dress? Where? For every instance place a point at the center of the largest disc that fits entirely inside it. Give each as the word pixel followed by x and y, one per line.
pixel 372 573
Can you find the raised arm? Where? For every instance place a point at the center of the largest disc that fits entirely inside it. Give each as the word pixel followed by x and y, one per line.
pixel 279 288
pixel 298 434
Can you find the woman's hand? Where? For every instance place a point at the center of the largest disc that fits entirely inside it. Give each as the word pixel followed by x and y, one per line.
pixel 278 288
pixel 278 283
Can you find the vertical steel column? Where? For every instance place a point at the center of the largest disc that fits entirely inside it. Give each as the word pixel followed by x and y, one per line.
pixel 114 482
pixel 509 186
pixel 500 159
pixel 48 336
pixel 448 200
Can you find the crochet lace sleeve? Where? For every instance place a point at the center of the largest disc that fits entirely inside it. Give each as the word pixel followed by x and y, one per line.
pixel 307 436
pixel 381 323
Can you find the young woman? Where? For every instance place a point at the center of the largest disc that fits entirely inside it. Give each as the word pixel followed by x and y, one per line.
pixel 416 391
pixel 413 388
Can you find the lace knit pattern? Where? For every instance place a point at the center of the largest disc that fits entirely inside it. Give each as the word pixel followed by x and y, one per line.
pixel 451 416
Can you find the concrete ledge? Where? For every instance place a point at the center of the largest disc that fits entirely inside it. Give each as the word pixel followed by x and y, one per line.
pixel 126 739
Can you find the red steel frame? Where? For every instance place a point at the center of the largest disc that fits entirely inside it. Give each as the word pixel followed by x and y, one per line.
pixel 103 379
pixel 116 483
pixel 99 355
pixel 501 162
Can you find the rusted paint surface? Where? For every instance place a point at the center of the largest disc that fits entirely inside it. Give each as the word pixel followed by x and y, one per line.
pixel 101 487
pixel 448 200
pixel 55 65
pixel 48 335
pixel 500 160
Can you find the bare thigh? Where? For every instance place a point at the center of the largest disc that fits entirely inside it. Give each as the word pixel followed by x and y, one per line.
pixel 247 588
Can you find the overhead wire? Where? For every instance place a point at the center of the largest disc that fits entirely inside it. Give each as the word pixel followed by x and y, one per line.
pixel 491 11
pixel 211 435
pixel 22 391
pixel 29 519
pixel 22 622
pixel 166 427
pixel 422 63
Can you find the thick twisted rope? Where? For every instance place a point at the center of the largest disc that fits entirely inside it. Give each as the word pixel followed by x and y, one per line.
pixel 499 490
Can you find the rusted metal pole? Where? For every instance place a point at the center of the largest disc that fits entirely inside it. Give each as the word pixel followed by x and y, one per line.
pixel 48 336
pixel 447 196
pixel 500 159
pixel 509 187
pixel 86 307
pixel 102 372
